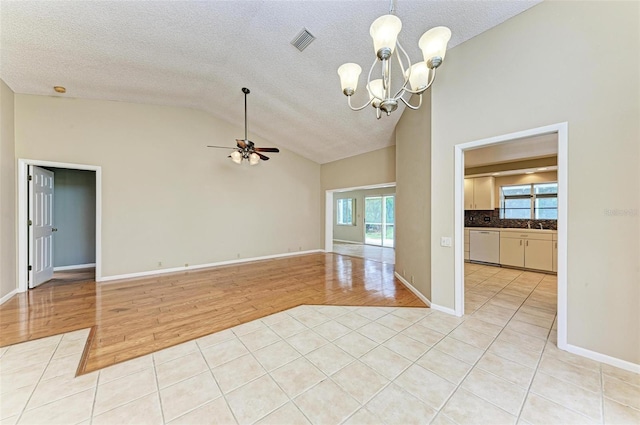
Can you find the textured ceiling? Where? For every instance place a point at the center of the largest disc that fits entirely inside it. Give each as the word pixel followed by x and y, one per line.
pixel 200 53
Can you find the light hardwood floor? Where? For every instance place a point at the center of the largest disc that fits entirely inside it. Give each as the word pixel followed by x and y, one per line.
pixel 132 318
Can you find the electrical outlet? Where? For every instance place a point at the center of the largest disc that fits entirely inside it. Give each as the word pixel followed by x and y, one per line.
pixel 299 248
pixel 412 279
pixel 159 263
pixel 445 241
pixel 186 264
pixel 238 255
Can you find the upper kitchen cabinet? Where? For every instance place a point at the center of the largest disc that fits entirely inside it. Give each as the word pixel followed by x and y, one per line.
pixel 479 193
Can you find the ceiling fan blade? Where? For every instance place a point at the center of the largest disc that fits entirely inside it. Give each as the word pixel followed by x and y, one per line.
pixel 241 143
pixel 220 147
pixel 262 157
pixel 275 150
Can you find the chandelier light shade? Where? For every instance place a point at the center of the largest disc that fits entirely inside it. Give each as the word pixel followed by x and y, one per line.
pixel 384 32
pixel 349 74
pixel 433 43
pixel 416 78
pixel 254 159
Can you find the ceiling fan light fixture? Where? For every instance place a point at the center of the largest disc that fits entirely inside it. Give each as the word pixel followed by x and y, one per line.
pixel 236 157
pixel 254 159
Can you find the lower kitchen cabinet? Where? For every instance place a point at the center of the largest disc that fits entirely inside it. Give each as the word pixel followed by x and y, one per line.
pixel 527 249
pixel 554 258
pixel 511 251
pixel 537 254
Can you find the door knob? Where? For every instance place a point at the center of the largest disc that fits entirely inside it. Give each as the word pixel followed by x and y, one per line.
pixel 54 229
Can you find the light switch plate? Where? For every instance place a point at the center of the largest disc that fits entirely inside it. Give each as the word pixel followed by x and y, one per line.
pixel 445 241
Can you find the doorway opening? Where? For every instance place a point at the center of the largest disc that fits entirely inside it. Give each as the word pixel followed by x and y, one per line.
pixel 560 134
pixel 359 222
pixel 59 222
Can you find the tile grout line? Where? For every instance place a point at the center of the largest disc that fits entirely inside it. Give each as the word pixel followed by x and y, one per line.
pixel 95 397
pixel 391 381
pixel 24 408
pixel 155 376
pixel 489 346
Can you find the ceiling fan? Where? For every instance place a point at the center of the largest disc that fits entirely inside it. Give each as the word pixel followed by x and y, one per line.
pixel 245 148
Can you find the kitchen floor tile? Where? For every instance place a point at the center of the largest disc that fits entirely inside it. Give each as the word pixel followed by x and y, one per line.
pixel 123 390
pixel 395 406
pixel 360 381
pixel 329 358
pixel 426 386
pixel 297 376
pixel 465 408
pixel 326 403
pixel 442 364
pixel 185 396
pixel 256 399
pixel 214 412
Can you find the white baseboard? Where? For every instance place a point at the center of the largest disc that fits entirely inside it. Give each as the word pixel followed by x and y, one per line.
pixel 413 289
pixel 345 241
pixel 202 266
pixel 603 358
pixel 8 296
pixel 76 267
pixel 443 309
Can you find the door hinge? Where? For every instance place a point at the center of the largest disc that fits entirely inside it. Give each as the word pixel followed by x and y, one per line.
pixel 30 178
pixel 30 268
pixel 30 223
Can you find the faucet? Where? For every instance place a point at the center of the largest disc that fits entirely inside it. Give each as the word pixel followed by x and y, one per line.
pixel 529 224
pixel 540 224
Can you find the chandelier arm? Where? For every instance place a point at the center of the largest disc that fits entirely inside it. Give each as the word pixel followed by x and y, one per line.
pixel 359 108
pixel 369 81
pixel 409 105
pixel 406 77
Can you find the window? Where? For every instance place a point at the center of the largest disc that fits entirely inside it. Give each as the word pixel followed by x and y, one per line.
pixel 345 212
pixel 526 201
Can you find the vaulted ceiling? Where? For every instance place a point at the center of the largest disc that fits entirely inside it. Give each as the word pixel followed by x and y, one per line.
pixel 199 54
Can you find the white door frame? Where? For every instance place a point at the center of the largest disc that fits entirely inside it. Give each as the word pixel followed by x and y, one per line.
pixel 562 129
pixel 328 210
pixel 23 213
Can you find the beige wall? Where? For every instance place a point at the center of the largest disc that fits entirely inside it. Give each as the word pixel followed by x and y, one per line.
pixel 355 233
pixel 7 192
pixel 550 176
pixel 165 196
pixel 559 61
pixel 371 168
pixel 413 197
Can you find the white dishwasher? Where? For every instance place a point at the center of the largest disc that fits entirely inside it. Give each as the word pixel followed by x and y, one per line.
pixel 484 246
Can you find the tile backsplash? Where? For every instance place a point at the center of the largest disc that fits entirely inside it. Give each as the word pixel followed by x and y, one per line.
pixel 479 219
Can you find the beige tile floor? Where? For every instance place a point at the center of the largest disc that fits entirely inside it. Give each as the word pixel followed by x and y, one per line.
pixel 370 252
pixel 331 365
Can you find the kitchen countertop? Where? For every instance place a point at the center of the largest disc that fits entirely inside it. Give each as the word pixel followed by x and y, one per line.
pixel 511 229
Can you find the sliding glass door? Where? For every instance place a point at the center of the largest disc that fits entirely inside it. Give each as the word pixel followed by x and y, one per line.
pixel 379 224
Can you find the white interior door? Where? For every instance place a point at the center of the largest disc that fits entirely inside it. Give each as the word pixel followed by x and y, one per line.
pixel 40 225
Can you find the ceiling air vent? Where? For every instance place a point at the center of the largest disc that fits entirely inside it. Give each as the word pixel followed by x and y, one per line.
pixel 303 39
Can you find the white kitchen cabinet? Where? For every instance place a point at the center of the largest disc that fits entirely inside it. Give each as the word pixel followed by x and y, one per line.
pixel 511 251
pixel 538 254
pixel 554 258
pixel 479 193
pixel 530 250
pixel 466 244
